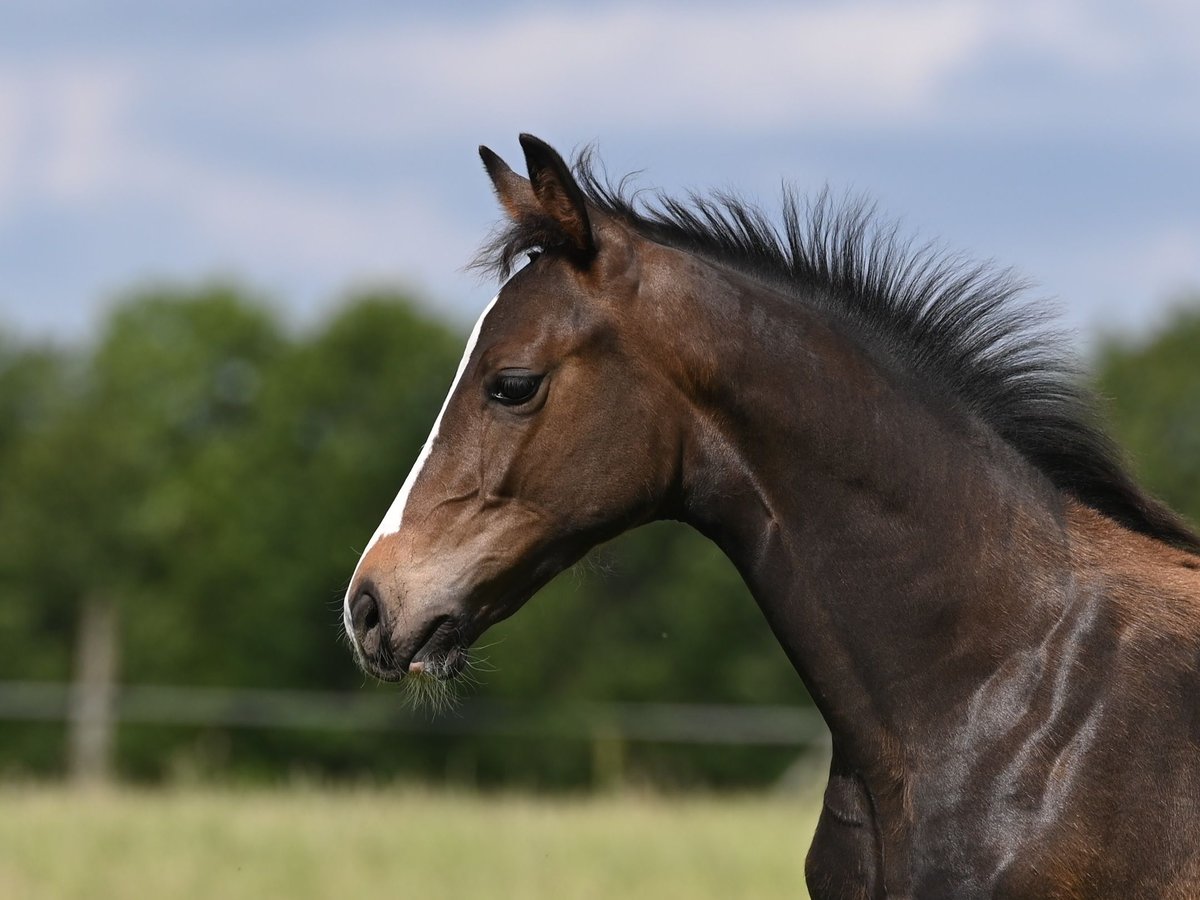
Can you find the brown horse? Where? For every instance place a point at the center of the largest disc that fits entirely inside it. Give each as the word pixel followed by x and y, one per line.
pixel 1000 627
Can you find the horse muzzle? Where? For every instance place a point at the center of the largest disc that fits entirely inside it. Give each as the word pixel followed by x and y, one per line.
pixel 390 647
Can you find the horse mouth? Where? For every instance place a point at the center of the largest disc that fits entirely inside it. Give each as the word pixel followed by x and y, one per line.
pixel 443 655
pixel 440 653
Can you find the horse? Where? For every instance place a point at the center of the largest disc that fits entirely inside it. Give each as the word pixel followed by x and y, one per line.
pixel 1000 627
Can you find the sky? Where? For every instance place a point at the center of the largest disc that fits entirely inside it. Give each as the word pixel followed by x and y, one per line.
pixel 306 148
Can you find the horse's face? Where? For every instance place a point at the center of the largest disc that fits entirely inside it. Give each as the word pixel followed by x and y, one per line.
pixel 549 442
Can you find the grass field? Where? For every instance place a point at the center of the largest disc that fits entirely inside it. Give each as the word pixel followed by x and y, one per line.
pixel 191 843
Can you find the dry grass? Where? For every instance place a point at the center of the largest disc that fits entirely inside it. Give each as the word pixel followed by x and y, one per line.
pixel 191 843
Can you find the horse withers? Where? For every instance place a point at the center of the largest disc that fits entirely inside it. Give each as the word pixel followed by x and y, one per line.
pixel 1000 627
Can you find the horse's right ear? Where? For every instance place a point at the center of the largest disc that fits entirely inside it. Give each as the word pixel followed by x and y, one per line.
pixel 559 195
pixel 514 192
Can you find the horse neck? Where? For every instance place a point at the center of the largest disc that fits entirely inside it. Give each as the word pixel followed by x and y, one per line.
pixel 898 548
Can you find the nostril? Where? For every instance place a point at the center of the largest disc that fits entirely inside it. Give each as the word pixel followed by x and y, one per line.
pixel 364 613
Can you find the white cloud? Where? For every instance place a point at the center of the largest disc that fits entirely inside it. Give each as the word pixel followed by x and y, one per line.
pixel 251 220
pixel 207 136
pixel 1121 280
pixel 760 67
pixel 85 136
pixel 1074 34
pixel 63 130
pixel 11 115
pixel 75 130
pixel 618 68
pixel 73 137
pixel 1172 254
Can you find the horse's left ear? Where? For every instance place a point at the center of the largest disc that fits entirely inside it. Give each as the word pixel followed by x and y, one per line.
pixel 513 191
pixel 558 194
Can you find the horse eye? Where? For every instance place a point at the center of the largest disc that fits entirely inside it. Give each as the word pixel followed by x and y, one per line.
pixel 512 388
pixel 533 255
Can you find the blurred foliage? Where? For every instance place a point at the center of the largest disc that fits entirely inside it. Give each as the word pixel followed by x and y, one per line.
pixel 1154 399
pixel 215 476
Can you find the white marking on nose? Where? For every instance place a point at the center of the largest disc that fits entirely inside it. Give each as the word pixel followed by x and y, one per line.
pixel 395 514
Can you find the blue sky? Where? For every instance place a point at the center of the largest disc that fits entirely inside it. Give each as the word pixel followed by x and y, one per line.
pixel 306 147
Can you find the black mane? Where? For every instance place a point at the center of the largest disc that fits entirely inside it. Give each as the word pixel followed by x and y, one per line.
pixel 963 326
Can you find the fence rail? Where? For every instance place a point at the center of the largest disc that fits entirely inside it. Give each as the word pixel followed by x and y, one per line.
pixel 759 725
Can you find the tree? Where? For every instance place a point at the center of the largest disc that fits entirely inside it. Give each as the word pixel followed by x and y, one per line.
pixel 1154 391
pixel 99 503
pixel 33 392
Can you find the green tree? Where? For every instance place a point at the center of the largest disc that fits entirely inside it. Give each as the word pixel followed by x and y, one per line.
pixel 34 388
pixel 33 392
pixel 1153 386
pixel 101 505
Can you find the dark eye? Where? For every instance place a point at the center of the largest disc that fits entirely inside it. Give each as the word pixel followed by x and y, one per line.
pixel 512 387
pixel 533 255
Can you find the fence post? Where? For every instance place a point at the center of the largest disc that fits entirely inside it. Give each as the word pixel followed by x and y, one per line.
pixel 93 692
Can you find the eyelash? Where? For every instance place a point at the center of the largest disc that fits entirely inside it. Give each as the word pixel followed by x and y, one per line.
pixel 514 388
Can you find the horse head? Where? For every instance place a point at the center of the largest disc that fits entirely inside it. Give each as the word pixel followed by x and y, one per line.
pixel 558 433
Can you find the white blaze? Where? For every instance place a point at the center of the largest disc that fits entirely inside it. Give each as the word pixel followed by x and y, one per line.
pixel 395 514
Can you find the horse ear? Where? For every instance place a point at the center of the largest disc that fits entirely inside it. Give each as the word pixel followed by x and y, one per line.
pixel 558 194
pixel 514 192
